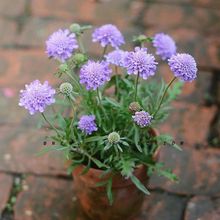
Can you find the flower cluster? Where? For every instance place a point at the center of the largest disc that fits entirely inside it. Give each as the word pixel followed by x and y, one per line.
pixel 183 67
pixel 140 62
pixel 36 96
pixel 87 124
pixel 142 118
pixel 94 74
pixel 61 44
pixel 165 45
pixel 108 35
pixel 116 57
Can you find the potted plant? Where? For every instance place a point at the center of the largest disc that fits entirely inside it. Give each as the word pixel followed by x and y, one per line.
pixel 108 108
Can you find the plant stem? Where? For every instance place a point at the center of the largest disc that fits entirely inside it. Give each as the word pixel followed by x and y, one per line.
pixel 104 51
pixel 136 86
pixel 164 94
pixel 81 46
pixel 73 79
pixel 98 95
pixel 116 82
pixel 52 126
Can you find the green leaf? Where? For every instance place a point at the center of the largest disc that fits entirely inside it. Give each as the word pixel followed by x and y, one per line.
pixel 109 191
pixel 113 102
pixel 93 139
pixel 51 148
pixel 137 139
pixel 139 185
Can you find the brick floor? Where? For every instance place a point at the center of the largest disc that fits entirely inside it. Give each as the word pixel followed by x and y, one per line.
pixel 48 193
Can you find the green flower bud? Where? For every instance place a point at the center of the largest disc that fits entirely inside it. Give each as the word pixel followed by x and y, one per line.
pixel 63 67
pixel 79 58
pixel 75 28
pixel 113 138
pixel 134 107
pixel 66 88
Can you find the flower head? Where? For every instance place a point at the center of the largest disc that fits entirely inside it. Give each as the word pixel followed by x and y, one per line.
pixel 134 107
pixel 164 45
pixel 61 44
pixel 108 35
pixel 87 124
pixel 94 74
pixel 37 96
pixel 113 137
pixel 183 66
pixel 116 57
pixel 142 118
pixel 66 88
pixel 140 62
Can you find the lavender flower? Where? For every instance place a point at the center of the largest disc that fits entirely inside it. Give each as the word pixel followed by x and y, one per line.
pixel 108 35
pixel 37 96
pixel 61 44
pixel 140 62
pixel 94 74
pixel 142 118
pixel 87 124
pixel 116 57
pixel 165 45
pixel 183 66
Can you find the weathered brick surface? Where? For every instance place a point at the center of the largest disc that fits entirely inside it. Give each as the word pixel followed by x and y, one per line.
pixel 19 146
pixel 36 31
pixel 185 123
pixel 7 32
pixel 5 188
pixel 161 206
pixel 198 171
pixel 12 8
pixel 45 198
pixel 84 11
pixel 18 67
pixel 203 208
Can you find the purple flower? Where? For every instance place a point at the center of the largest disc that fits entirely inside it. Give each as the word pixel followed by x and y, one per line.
pixel 61 44
pixel 140 62
pixel 116 57
pixel 87 124
pixel 108 35
pixel 142 118
pixel 37 96
pixel 94 74
pixel 164 45
pixel 183 66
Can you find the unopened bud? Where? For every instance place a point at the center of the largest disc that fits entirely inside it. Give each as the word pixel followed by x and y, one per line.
pixel 66 88
pixel 113 137
pixel 134 107
pixel 75 28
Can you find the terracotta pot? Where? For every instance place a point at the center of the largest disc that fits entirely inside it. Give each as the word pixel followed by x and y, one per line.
pixel 94 202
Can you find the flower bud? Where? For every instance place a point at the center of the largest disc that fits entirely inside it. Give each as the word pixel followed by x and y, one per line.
pixel 113 137
pixel 66 88
pixel 134 107
pixel 79 58
pixel 75 28
pixel 63 67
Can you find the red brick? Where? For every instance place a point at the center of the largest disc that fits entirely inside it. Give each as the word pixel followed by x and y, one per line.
pixel 46 198
pixel 18 67
pixel 19 147
pixel 198 171
pixel 203 208
pixel 7 32
pixel 6 182
pixel 160 206
pixel 36 31
pixel 185 123
pixel 163 16
pixel 7 8
pixel 84 11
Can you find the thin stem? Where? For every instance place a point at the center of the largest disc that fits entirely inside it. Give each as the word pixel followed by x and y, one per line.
pixel 116 82
pixel 81 46
pixel 104 51
pixel 136 86
pixel 164 94
pixel 52 126
pixel 74 80
pixel 98 95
